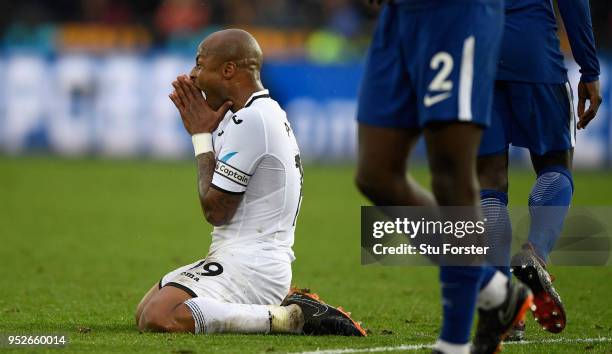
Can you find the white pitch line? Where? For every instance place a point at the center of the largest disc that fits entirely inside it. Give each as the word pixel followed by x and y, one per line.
pixel 414 347
pixel 404 347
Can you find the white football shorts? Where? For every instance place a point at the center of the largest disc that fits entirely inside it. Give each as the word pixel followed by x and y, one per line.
pixel 243 277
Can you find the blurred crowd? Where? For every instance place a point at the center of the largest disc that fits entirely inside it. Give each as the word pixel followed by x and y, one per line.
pixel 321 30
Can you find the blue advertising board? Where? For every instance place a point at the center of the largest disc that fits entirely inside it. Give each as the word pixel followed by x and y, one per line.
pixel 118 106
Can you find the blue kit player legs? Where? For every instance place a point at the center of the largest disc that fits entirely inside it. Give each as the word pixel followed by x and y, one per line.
pixel 430 71
pixel 532 108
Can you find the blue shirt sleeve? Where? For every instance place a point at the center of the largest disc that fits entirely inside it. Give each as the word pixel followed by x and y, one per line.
pixel 576 16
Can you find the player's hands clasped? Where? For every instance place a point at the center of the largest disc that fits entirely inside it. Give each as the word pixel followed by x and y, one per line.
pixel 588 91
pixel 198 117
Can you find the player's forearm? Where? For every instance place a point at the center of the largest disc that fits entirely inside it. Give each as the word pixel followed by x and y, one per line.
pixel 218 208
pixel 206 168
pixel 576 15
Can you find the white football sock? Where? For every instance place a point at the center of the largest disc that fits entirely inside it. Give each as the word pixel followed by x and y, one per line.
pixel 213 316
pixel 452 348
pixel 494 293
pixel 286 319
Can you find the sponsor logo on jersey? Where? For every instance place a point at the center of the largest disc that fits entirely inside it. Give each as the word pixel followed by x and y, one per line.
pixel 232 173
pixel 228 156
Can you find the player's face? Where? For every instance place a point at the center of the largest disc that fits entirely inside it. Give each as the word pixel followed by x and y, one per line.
pixel 207 77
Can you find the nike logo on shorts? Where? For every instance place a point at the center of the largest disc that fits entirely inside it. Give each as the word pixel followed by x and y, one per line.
pixel 429 101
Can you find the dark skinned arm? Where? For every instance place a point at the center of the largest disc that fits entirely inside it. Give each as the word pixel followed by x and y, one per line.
pixel 576 15
pixel 218 207
pixel 198 117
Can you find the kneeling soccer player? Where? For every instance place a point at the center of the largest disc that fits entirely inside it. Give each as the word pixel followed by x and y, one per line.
pixel 250 180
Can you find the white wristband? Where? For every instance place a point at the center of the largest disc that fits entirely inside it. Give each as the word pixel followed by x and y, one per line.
pixel 202 143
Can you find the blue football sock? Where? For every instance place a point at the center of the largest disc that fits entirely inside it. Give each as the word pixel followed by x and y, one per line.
pixel 460 288
pixel 548 205
pixel 494 205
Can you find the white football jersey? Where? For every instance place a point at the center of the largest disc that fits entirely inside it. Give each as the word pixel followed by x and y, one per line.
pixel 258 156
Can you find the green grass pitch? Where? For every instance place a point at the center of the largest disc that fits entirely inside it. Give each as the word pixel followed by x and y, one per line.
pixel 82 240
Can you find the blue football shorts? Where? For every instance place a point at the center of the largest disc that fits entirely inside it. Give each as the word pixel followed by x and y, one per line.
pixel 539 117
pixel 434 63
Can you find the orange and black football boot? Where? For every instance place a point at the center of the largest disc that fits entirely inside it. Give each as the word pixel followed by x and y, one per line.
pixel 321 318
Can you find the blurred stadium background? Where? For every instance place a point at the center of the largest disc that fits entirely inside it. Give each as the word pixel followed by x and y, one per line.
pixel 83 238
pixel 91 77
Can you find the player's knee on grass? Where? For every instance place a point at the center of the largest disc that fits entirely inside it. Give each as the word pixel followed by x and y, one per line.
pixel 166 312
pixel 157 318
pixel 154 318
pixel 145 300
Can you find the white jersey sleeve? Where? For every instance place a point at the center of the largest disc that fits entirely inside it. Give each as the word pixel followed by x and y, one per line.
pixel 244 145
